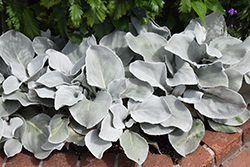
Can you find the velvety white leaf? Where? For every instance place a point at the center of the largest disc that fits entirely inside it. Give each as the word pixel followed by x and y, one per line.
pixel 54 78
pixel 11 126
pixel 152 72
pixel 95 144
pixel 191 96
pixel 184 74
pixel 116 41
pixel 235 78
pixel 186 48
pixel 78 66
pixel 235 53
pixel 150 27
pixel 153 110
pixel 137 90
pixel 179 90
pixel 76 52
pixel 36 64
pixel 16 47
pixel 221 103
pixel 12 147
pixel 120 113
pixel 180 115
pixel 198 30
pixel 41 44
pixel 21 97
pixel 135 147
pixel 221 128
pixel 18 71
pixel 89 113
pixel 10 85
pixel 186 142
pixel 108 132
pixel 59 61
pixel 75 138
pixel 58 128
pixel 223 42
pixel 78 128
pixel 148 45
pixel 67 96
pixel 45 92
pixel 215 26
pixel 243 65
pixel 155 130
pixel 103 66
pixel 116 88
pixel 212 75
pixel 36 134
pixel 236 121
pixel 8 107
pixel 48 146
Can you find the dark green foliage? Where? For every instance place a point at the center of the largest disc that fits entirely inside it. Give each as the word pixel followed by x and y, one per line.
pixel 63 17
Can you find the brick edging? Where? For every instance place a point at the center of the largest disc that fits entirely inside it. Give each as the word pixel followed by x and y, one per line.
pixel 217 148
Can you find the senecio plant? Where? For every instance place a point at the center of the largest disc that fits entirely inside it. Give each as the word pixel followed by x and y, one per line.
pixel 122 88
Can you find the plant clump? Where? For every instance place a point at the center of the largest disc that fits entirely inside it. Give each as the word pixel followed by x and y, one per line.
pixel 123 88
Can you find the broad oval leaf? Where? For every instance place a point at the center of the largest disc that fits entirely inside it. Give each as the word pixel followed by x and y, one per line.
pixel 58 128
pixel 89 113
pixel 235 79
pixel 191 96
pixel 180 115
pixel 36 134
pixel 16 47
pixel 212 76
pixel 95 144
pixel 59 61
pixel 48 146
pixel 18 71
pixel 10 85
pixel 153 110
pixel 103 66
pixel 67 96
pixel 221 128
pixel 116 41
pixel 148 45
pixel 120 113
pixel 186 142
pixel 42 44
pixel 36 64
pixel 45 92
pixel 54 78
pixel 221 103
pixel 22 97
pixel 236 121
pixel 108 132
pixel 8 107
pixel 11 126
pixel 135 146
pixel 155 130
pixel 116 88
pixel 184 75
pixel 12 147
pixel 152 72
pixel 186 48
pixel 137 90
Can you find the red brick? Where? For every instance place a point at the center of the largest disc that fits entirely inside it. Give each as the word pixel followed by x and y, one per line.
pixel 200 157
pixel 61 159
pixel 124 161
pixel 223 144
pixel 246 131
pixel 155 160
pixel 2 156
pixel 242 160
pixel 24 158
pixel 88 160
